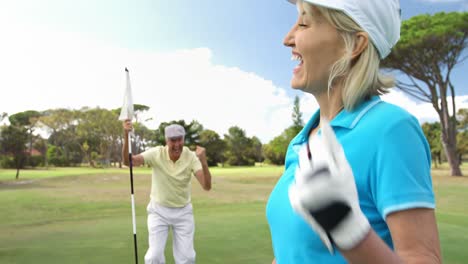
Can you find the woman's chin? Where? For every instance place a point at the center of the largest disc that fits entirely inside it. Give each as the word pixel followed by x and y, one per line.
pixel 297 86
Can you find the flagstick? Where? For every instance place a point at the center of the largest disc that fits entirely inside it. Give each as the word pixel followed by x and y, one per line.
pixel 126 113
pixel 133 199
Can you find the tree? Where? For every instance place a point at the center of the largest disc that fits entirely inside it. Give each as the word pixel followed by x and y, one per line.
pixel 275 150
pixel 13 141
pixel 192 132
pixel 61 125
pixel 142 135
pixel 462 144
pixel 257 149
pixel 462 136
pixel 430 47
pixel 27 119
pixel 41 145
pixel 297 114
pixel 298 124
pixel 3 116
pixel 67 147
pixel 462 117
pixel 98 130
pixel 432 132
pixel 238 147
pixel 214 146
pixel 137 110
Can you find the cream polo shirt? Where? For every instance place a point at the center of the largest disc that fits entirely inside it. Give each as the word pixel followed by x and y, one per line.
pixel 171 181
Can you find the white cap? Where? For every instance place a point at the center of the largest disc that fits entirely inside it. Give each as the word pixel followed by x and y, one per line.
pixel 174 131
pixel 381 19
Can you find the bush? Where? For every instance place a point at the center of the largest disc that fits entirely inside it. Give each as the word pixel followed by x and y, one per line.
pixel 35 161
pixel 7 162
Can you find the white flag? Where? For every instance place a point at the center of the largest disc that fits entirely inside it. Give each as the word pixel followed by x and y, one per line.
pixel 127 108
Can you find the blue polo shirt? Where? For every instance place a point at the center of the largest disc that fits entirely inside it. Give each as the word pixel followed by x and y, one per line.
pixel 391 163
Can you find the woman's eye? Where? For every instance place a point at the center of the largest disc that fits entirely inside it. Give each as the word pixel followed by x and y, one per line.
pixel 302 25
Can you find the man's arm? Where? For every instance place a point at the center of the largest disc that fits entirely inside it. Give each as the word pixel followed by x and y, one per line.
pixel 203 175
pixel 138 159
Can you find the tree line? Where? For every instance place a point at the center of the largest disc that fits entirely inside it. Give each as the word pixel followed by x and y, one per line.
pixel 94 136
pixel 433 133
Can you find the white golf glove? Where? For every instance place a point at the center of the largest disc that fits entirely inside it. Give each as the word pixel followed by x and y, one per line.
pixel 325 195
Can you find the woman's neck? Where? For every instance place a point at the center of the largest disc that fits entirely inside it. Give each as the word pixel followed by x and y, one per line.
pixel 330 106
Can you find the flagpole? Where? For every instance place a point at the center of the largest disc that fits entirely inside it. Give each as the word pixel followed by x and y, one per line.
pixel 127 113
pixel 132 195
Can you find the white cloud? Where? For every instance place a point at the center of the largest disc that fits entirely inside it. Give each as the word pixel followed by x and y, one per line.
pixel 423 111
pixel 43 69
pixel 187 86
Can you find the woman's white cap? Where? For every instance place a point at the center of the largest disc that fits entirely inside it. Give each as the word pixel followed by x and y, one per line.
pixel 381 19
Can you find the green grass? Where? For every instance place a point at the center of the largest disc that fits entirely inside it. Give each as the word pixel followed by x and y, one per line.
pixel 83 215
pixel 33 174
pixel 452 214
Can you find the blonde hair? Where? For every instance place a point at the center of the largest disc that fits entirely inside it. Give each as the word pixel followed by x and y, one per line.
pixel 361 77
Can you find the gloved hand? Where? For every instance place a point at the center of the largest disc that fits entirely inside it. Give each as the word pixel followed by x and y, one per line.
pixel 325 195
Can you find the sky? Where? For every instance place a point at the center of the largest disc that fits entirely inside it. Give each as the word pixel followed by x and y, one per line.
pixel 219 62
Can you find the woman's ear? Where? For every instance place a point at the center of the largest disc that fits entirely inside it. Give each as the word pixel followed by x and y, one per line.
pixel 362 40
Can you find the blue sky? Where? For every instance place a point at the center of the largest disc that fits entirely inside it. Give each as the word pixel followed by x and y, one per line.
pixel 229 50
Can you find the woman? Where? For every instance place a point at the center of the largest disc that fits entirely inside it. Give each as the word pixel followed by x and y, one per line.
pixel 357 189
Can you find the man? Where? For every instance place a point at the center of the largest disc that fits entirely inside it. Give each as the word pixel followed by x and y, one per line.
pixel 170 204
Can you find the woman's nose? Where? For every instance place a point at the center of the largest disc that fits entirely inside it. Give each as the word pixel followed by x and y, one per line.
pixel 289 38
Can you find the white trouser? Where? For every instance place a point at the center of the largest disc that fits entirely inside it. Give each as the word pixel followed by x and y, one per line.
pixel 160 218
